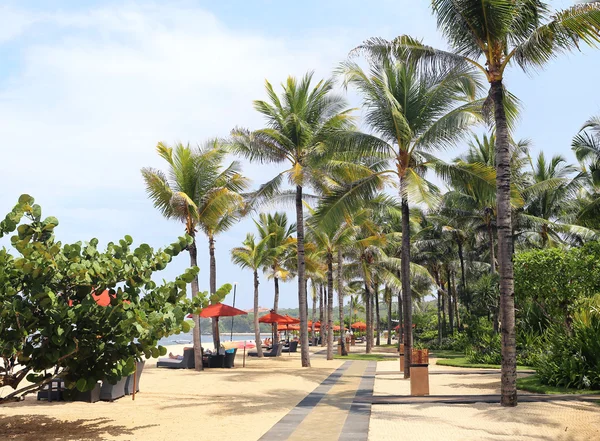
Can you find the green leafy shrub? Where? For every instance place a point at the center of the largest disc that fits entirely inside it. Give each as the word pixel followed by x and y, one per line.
pixel 50 324
pixel 573 360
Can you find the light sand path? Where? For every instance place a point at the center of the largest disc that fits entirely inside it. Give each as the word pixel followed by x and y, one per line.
pixel 225 404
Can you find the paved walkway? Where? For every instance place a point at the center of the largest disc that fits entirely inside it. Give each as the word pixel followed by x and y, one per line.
pixel 338 409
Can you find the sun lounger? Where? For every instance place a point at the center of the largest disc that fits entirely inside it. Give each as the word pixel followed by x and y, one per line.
pixel 292 348
pixel 274 352
pixel 186 363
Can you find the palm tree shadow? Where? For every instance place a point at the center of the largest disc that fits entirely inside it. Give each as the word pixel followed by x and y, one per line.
pixel 36 427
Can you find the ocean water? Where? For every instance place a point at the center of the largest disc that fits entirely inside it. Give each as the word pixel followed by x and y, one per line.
pixel 186 338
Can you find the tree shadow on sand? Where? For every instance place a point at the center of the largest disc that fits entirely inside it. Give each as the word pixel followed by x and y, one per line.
pixel 37 427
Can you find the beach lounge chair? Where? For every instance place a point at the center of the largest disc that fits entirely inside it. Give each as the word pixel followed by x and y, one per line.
pixel 186 363
pixel 292 348
pixel 275 351
pixel 111 392
pixel 214 361
pixel 138 374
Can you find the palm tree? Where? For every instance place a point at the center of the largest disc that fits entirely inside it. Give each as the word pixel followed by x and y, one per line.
pixel 331 240
pixel 414 113
pixel 586 146
pixel 489 35
pixel 253 255
pixel 195 192
pixel 282 243
pixel 214 191
pixel 300 125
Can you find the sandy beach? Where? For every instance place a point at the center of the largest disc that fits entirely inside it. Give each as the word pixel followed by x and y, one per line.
pixel 225 404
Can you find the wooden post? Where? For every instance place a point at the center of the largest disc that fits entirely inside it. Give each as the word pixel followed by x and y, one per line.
pixel 244 364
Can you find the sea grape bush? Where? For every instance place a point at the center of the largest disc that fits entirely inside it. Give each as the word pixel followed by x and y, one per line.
pixel 50 325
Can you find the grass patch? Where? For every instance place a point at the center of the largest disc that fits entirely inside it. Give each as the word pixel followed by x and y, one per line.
pixel 393 345
pixel 364 357
pixel 446 354
pixel 464 363
pixel 532 383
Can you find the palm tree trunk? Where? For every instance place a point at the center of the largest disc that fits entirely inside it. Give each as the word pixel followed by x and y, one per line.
pixel 463 274
pixel 445 324
pixel 302 301
pixel 321 307
pixel 388 297
pixel 276 297
pixel 329 306
pixel 340 283
pixel 405 269
pixel 492 254
pixel 314 307
pixel 455 303
pixel 368 318
pixel 377 323
pixel 213 288
pixel 325 317
pixel 450 307
pixel 400 318
pixel 439 305
pixel 256 323
pixel 196 332
pixel 505 265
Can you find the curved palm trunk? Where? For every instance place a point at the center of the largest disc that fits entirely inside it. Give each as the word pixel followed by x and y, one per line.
pixel 276 297
pixel 341 301
pixel 213 289
pixel 256 323
pixel 196 334
pixel 405 270
pixel 305 355
pixel 329 306
pixel 505 265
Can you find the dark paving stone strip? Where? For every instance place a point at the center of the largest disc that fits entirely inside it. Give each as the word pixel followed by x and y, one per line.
pixel 286 425
pixel 356 427
pixel 472 399
pixel 459 372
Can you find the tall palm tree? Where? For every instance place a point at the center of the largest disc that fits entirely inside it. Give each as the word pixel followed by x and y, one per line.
pixel 282 243
pixel 414 112
pixel 490 35
pixel 214 191
pixel 331 240
pixel 300 125
pixel 253 255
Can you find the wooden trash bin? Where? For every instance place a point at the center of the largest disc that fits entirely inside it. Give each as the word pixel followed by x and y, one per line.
pixel 419 373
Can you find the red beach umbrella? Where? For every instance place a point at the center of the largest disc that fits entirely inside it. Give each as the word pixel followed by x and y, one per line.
pixel 359 325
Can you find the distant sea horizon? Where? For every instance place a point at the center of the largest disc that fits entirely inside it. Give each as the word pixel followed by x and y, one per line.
pixel 186 338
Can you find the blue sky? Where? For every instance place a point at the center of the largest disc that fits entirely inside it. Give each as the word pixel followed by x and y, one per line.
pixel 87 89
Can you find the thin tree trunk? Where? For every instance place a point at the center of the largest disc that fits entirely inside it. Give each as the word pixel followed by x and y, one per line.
pixel 372 322
pixel 463 276
pixel 329 306
pixel 368 314
pixel 455 303
pixel 450 307
pixel 213 289
pixel 439 305
pixel 445 324
pixel 325 320
pixel 378 322
pixel 302 301
pixel 256 323
pixel 340 283
pixel 314 307
pixel 405 269
pixel 196 332
pixel 388 297
pixel 400 318
pixel 491 244
pixel 276 296
pixel 505 265
pixel 321 308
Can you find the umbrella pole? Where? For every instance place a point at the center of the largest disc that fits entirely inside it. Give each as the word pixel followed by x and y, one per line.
pixel 244 364
pixel 134 382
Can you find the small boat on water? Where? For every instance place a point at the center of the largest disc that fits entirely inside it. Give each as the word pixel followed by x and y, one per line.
pixel 183 342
